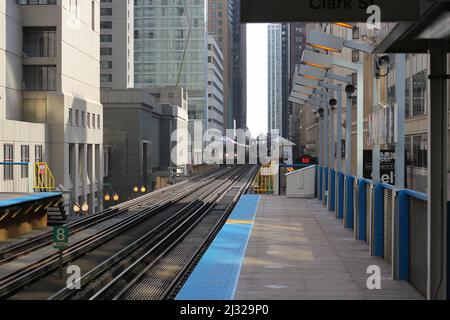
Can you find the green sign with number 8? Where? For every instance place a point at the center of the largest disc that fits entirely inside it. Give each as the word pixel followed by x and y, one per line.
pixel 60 237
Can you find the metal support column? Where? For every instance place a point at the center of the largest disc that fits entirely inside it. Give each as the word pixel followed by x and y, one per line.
pixel 360 124
pixel 326 150
pixel 437 173
pixel 339 130
pixel 348 137
pixel 376 147
pixel 400 67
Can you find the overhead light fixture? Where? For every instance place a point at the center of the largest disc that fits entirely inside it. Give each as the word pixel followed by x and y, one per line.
pixel 299 96
pixel 309 83
pixel 318 60
pixel 344 25
pixel 297 101
pixel 302 89
pixel 439 28
pixel 312 72
pixel 330 42
pixel 325 41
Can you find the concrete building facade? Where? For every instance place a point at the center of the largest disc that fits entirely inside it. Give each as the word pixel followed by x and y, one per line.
pixel 117 44
pixel 216 95
pixel 50 92
pixel 146 132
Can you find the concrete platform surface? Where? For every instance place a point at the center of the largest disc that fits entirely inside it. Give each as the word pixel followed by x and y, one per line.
pixel 299 251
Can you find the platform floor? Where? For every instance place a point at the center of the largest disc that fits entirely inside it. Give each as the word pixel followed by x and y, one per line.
pixel 300 251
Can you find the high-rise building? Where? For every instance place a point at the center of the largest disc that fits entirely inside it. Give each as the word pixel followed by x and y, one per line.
pixel 117 44
pixel 239 65
pixel 297 116
pixel 170 49
pixel 215 86
pixel 285 73
pixel 50 106
pixel 219 26
pixel 275 86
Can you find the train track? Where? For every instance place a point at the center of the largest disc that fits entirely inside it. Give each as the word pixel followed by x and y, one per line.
pixel 136 213
pixel 165 262
pixel 180 211
pixel 28 246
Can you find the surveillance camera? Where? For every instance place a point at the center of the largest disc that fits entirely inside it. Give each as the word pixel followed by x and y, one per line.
pixel 333 102
pixel 350 89
pixel 383 61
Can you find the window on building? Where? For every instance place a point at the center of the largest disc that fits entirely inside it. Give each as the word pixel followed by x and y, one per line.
pixel 39 78
pixel 408 98
pixel 24 158
pixel 70 121
pixel 39 42
pixel 77 118
pixel 83 119
pixel 420 151
pixel 419 87
pixel 88 119
pixel 8 157
pixel 38 154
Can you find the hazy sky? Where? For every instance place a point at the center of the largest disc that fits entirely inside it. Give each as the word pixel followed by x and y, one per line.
pixel 257 74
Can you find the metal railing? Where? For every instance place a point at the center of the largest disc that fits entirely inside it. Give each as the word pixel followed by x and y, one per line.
pixel 16 177
pixel 392 221
pixel 44 181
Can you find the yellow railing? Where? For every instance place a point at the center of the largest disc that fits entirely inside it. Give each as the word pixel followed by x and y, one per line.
pixel 44 181
pixel 264 182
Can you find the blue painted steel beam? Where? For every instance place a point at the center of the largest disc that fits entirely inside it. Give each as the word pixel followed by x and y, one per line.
pixel 378 246
pixel 320 182
pixel 332 194
pixel 349 221
pixel 341 195
pixel 362 227
pixel 404 236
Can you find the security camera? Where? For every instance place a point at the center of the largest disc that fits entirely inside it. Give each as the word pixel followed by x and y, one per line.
pixel 333 103
pixel 382 62
pixel 350 89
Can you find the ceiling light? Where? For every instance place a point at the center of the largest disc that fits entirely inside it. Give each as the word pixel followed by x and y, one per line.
pixel 312 72
pixel 325 41
pixel 345 25
pixel 318 60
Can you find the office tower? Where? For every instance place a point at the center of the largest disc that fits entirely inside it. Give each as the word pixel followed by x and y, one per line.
pixel 50 106
pixel 239 65
pixel 285 73
pixel 171 50
pixel 219 26
pixel 117 44
pixel 215 86
pixel 275 71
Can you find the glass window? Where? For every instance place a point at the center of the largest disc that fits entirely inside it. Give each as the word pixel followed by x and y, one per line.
pixel 8 157
pixel 24 158
pixel 419 93
pixel 39 78
pixel 39 42
pixel 38 154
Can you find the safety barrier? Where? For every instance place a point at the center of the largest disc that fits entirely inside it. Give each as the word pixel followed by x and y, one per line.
pixel 392 221
pixel 44 181
pixel 16 177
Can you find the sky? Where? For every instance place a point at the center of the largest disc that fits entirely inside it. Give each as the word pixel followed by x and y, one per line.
pixel 257 75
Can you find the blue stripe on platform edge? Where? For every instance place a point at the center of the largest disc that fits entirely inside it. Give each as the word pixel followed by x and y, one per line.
pixel 216 275
pixel 29 198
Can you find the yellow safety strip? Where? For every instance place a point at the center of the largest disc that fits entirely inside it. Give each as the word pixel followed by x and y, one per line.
pixel 240 221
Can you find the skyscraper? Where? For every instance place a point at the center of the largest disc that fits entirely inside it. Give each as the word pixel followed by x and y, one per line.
pixel 117 44
pixel 275 77
pixel 285 73
pixel 239 68
pixel 219 26
pixel 171 48
pixel 215 86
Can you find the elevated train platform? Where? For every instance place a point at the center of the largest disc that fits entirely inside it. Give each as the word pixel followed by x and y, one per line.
pixel 289 249
pixel 20 213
